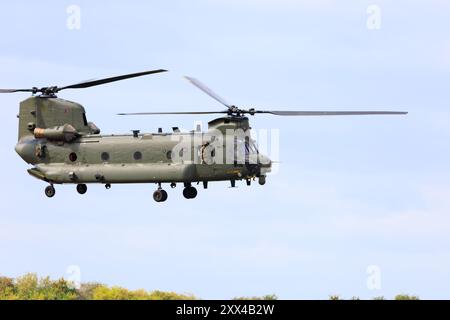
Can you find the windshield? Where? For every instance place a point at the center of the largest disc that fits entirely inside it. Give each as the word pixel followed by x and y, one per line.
pixel 250 147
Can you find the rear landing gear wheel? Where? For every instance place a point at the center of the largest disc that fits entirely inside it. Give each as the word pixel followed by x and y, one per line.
pixel 50 191
pixel 164 195
pixel 107 186
pixel 160 195
pixel 190 192
pixel 81 188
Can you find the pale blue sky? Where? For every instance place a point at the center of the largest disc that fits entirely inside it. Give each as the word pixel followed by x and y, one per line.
pixel 350 193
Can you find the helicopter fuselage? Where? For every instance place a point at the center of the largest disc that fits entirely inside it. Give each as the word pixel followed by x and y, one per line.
pixel 63 147
pixel 138 158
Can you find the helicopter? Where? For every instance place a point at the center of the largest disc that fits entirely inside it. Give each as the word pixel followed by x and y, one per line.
pixel 63 147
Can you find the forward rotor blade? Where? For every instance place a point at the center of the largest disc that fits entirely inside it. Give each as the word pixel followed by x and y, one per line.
pixel 208 91
pixel 332 113
pixel 91 83
pixel 163 113
pixel 15 90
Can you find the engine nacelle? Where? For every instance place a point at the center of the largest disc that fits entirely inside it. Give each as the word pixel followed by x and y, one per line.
pixel 66 133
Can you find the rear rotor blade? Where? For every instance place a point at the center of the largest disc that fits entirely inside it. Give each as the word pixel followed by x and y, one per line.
pixel 208 91
pixel 163 113
pixel 91 83
pixel 332 113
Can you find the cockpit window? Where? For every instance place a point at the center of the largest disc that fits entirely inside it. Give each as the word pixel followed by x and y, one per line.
pixel 84 119
pixel 250 147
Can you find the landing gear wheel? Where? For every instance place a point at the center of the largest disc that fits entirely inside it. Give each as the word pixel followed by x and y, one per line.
pixel 160 195
pixel 81 188
pixel 190 192
pixel 107 186
pixel 262 180
pixel 50 191
pixel 164 195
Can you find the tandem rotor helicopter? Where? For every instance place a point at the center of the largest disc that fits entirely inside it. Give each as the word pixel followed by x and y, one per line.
pixel 64 148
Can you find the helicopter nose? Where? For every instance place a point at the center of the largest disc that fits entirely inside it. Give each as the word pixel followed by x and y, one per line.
pixel 26 150
pixel 265 162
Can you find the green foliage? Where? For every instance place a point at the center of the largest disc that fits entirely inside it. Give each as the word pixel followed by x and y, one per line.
pixel 6 283
pixel 405 297
pixel 86 290
pixel 118 293
pixel 161 295
pixel 30 287
pixel 6 287
pixel 265 297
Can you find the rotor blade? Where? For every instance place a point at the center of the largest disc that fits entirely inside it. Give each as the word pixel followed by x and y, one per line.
pixel 91 83
pixel 163 113
pixel 332 113
pixel 15 90
pixel 208 91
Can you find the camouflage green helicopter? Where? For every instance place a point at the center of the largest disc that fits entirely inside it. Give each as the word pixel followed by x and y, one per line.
pixel 64 148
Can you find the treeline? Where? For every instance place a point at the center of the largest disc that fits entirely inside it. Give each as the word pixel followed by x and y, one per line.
pixel 32 287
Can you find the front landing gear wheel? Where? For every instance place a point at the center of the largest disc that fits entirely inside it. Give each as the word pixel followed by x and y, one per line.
pixel 160 195
pixel 81 188
pixel 50 191
pixel 107 186
pixel 190 192
pixel 262 180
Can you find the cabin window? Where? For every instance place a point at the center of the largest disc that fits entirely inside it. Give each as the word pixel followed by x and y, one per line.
pixel 137 155
pixel 169 154
pixel 105 156
pixel 73 156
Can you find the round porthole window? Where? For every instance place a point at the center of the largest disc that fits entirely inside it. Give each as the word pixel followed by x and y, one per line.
pixel 169 154
pixel 105 156
pixel 137 155
pixel 73 156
